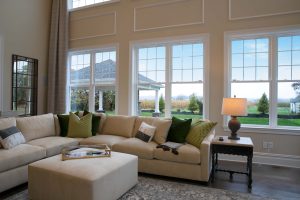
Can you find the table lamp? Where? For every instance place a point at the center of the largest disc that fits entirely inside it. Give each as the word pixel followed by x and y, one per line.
pixel 234 107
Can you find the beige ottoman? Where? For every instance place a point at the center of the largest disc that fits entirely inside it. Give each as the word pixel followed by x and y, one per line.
pixel 83 179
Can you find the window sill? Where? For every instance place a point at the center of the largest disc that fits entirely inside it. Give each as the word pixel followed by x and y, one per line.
pixel 267 130
pixel 93 5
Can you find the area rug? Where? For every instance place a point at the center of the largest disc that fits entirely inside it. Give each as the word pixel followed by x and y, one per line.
pixel 150 188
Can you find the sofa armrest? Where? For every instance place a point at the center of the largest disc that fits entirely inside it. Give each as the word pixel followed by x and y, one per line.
pixel 206 155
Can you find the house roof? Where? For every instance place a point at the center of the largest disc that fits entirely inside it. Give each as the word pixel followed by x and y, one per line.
pixel 296 100
pixel 105 73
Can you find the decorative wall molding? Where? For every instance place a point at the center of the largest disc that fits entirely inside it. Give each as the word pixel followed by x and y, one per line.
pixel 231 17
pixel 268 159
pixel 159 5
pixel 94 35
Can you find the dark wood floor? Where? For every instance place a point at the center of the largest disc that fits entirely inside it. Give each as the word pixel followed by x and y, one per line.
pixel 268 181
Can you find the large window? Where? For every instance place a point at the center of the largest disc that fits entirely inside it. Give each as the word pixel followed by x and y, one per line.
pixel 92 81
pixel 169 78
pixel 265 69
pixel 82 3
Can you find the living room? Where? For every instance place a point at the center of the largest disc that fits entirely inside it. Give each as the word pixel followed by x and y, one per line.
pixel 177 58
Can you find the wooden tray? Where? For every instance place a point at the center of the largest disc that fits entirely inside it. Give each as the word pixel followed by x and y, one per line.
pixel 85 151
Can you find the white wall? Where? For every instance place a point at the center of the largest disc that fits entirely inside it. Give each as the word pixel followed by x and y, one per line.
pixel 131 20
pixel 24 29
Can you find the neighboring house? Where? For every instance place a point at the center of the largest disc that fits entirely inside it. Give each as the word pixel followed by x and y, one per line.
pixel 295 105
pixel 105 76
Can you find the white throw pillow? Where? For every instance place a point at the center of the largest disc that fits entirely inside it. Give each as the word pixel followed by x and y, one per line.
pixel 11 137
pixel 145 132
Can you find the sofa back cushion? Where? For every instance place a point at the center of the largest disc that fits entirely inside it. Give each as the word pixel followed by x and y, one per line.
pixel 139 121
pixel 6 123
pixel 162 129
pixel 36 126
pixel 118 125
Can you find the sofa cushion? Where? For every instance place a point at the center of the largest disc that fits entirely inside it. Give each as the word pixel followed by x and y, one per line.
pixel 139 121
pixel 118 125
pixel 136 147
pixel 21 155
pixel 36 126
pixel 198 132
pixel 179 130
pixel 162 129
pixel 186 154
pixel 102 139
pixel 6 123
pixel 53 144
pixel 80 127
pixel 11 137
pixel 145 132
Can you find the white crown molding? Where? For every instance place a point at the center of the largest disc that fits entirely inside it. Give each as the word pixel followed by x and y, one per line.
pixel 135 29
pixel 267 159
pixel 257 16
pixel 114 32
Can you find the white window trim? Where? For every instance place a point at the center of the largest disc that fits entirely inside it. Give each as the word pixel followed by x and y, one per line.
pixel 89 6
pixel 93 51
pixel 204 38
pixel 272 34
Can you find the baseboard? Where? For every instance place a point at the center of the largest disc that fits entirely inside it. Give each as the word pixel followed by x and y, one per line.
pixel 268 159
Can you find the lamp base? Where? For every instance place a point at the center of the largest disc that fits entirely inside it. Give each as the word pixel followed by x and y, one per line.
pixel 234 125
pixel 233 137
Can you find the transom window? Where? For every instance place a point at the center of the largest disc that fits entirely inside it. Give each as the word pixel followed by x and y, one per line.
pixel 92 81
pixel 169 79
pixel 82 3
pixel 265 69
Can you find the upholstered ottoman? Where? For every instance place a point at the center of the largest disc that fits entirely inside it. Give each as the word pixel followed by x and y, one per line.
pixel 95 178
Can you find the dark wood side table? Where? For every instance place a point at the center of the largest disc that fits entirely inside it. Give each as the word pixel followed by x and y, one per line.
pixel 242 147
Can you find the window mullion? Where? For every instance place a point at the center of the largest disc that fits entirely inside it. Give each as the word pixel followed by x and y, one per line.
pixel 92 83
pixel 168 86
pixel 273 82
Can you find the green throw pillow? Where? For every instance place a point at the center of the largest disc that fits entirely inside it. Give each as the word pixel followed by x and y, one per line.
pixel 198 132
pixel 95 122
pixel 80 127
pixel 179 130
pixel 64 123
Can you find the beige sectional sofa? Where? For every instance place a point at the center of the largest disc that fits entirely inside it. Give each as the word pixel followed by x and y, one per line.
pixel 43 140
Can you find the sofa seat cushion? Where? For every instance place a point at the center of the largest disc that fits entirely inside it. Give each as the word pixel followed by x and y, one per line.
pixel 102 139
pixel 35 127
pixel 54 144
pixel 186 154
pixel 20 155
pixel 136 147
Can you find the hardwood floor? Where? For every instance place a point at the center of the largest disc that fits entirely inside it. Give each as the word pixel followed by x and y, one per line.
pixel 268 181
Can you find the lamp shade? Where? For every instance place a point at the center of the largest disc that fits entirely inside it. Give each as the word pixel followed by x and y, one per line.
pixel 234 106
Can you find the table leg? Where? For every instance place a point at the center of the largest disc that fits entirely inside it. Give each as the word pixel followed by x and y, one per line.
pixel 249 164
pixel 213 168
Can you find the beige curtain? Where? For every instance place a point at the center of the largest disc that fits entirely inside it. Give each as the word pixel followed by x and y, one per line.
pixel 57 63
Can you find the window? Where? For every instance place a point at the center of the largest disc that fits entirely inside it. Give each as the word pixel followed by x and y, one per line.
pixel 24 85
pixel 92 81
pixel 82 3
pixel 265 69
pixel 169 78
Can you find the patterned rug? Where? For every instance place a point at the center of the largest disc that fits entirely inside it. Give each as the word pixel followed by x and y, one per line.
pixel 150 188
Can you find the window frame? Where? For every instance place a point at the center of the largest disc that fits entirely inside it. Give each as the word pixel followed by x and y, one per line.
pixel 272 34
pixel 168 42
pixel 70 9
pixel 92 84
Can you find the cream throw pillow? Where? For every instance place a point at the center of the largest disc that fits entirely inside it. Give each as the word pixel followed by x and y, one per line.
pixel 145 132
pixel 80 127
